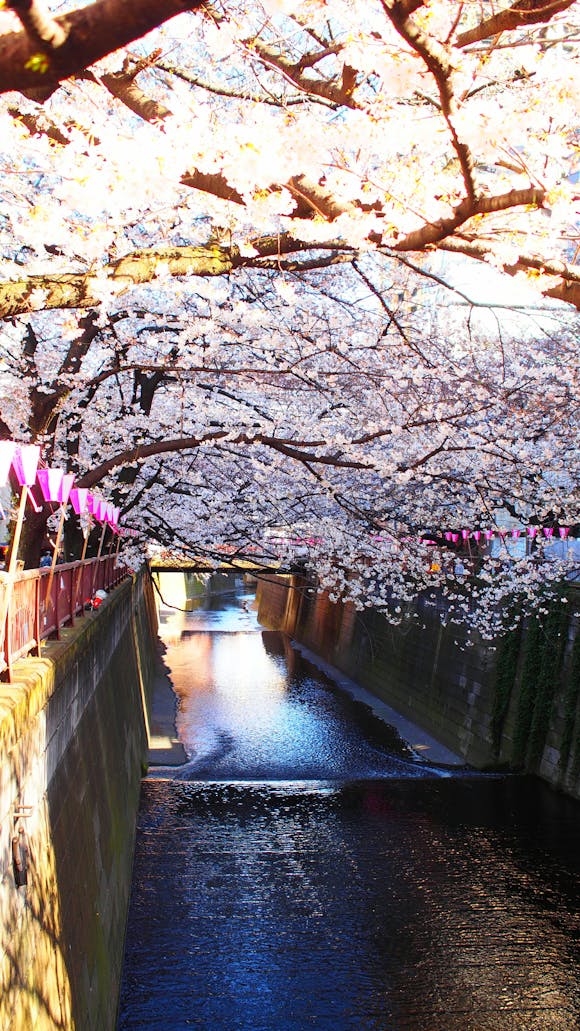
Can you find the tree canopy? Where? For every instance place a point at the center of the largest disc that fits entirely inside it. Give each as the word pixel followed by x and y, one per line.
pixel 295 269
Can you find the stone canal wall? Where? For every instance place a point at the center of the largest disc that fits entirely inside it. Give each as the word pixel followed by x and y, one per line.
pixel 514 704
pixel 73 739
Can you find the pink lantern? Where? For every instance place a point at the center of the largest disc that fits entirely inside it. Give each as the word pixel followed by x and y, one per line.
pixel 465 534
pixel 79 498
pixel 515 534
pixel 564 531
pixel 488 534
pixel 50 482
pixel 548 531
pixel 110 516
pixel 455 537
pixel 66 487
pixel 477 535
pixel 448 535
pixel 25 464
pixel 116 515
pixel 532 531
pixel 7 450
pixel 100 511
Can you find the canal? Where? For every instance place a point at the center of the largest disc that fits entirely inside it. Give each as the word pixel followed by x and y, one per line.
pixel 305 869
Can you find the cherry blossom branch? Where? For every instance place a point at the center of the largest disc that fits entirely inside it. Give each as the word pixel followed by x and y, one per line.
pixel 436 58
pixel 88 289
pixel 523 12
pixel 340 95
pixel 289 448
pixel 435 232
pixel 124 87
pixel 252 98
pixel 566 285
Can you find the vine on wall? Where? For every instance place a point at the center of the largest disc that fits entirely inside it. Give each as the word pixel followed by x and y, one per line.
pixel 544 642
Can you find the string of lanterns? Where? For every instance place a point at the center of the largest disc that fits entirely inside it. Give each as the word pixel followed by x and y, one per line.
pixel 515 533
pixel 56 487
pixel 452 537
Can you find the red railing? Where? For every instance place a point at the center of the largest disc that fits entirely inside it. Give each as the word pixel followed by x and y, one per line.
pixel 38 604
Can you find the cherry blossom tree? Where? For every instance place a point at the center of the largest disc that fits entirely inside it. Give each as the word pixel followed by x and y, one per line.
pixel 254 277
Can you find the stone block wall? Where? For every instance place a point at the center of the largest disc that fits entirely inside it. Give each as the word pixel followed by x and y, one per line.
pixel 73 740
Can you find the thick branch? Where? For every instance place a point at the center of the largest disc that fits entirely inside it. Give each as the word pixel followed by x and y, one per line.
pixel 92 32
pixel 341 95
pixel 83 290
pixel 86 290
pixel 523 12
pixel 123 86
pixel 434 232
pixel 291 449
pixel 42 29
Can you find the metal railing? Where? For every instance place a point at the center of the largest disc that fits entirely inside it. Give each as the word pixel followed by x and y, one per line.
pixel 39 602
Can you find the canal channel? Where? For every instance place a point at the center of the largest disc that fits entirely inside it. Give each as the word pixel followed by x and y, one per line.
pixel 306 868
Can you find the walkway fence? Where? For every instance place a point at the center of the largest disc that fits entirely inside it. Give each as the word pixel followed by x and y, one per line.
pixel 38 603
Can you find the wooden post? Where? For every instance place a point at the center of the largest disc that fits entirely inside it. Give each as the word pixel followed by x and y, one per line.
pixel 5 608
pixel 37 629
pixel 56 547
pixel 56 617
pixel 83 555
pixel 17 533
pixel 104 530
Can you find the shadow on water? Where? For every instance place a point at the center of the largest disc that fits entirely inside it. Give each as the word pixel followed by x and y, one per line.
pixel 305 869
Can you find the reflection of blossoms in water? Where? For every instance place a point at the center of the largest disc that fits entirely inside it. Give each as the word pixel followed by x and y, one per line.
pixel 244 712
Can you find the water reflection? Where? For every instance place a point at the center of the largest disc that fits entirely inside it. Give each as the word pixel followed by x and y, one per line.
pixel 386 904
pixel 250 708
pixel 351 888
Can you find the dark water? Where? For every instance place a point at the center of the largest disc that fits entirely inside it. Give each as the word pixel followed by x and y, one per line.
pixel 297 874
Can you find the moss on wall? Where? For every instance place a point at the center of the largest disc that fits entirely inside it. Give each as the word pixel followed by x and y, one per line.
pixel 74 748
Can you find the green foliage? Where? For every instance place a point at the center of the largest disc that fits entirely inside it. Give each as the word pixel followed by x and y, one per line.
pixel 545 642
pixel 553 639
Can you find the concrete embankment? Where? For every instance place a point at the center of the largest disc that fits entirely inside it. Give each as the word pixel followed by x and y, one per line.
pixel 73 743
pixel 511 704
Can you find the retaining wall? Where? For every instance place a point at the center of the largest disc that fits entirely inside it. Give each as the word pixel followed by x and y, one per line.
pixel 73 741
pixel 514 703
